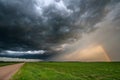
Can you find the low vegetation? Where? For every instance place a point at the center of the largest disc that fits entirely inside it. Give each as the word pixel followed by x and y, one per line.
pixel 6 63
pixel 69 71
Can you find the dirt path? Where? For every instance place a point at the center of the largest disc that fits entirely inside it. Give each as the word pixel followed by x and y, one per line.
pixel 6 72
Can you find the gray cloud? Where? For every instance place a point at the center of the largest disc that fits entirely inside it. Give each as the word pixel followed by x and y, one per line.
pixel 106 36
pixel 19 59
pixel 42 24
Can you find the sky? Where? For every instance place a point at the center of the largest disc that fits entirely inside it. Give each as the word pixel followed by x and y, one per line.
pixel 60 30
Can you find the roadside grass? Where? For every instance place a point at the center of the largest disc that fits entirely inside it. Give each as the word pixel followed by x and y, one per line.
pixel 69 71
pixel 6 63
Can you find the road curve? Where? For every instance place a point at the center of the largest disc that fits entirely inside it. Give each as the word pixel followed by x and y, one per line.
pixel 6 72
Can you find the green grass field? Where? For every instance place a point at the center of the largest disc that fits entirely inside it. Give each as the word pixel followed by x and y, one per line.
pixel 69 71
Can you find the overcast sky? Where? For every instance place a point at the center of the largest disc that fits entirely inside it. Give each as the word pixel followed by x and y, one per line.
pixel 48 29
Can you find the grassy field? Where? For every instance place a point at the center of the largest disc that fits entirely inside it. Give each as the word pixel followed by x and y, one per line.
pixel 68 71
pixel 6 63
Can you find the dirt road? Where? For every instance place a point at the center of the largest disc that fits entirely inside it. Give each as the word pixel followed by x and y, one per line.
pixel 6 72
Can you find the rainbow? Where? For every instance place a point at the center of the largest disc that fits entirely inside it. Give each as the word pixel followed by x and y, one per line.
pixel 91 53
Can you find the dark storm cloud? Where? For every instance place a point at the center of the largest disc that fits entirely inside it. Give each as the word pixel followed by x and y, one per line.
pixel 42 24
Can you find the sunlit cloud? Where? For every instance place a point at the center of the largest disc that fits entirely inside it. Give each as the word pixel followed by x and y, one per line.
pixel 10 52
pixel 91 53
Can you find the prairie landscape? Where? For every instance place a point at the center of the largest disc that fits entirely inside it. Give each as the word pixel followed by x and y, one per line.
pixel 69 71
pixel 60 39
